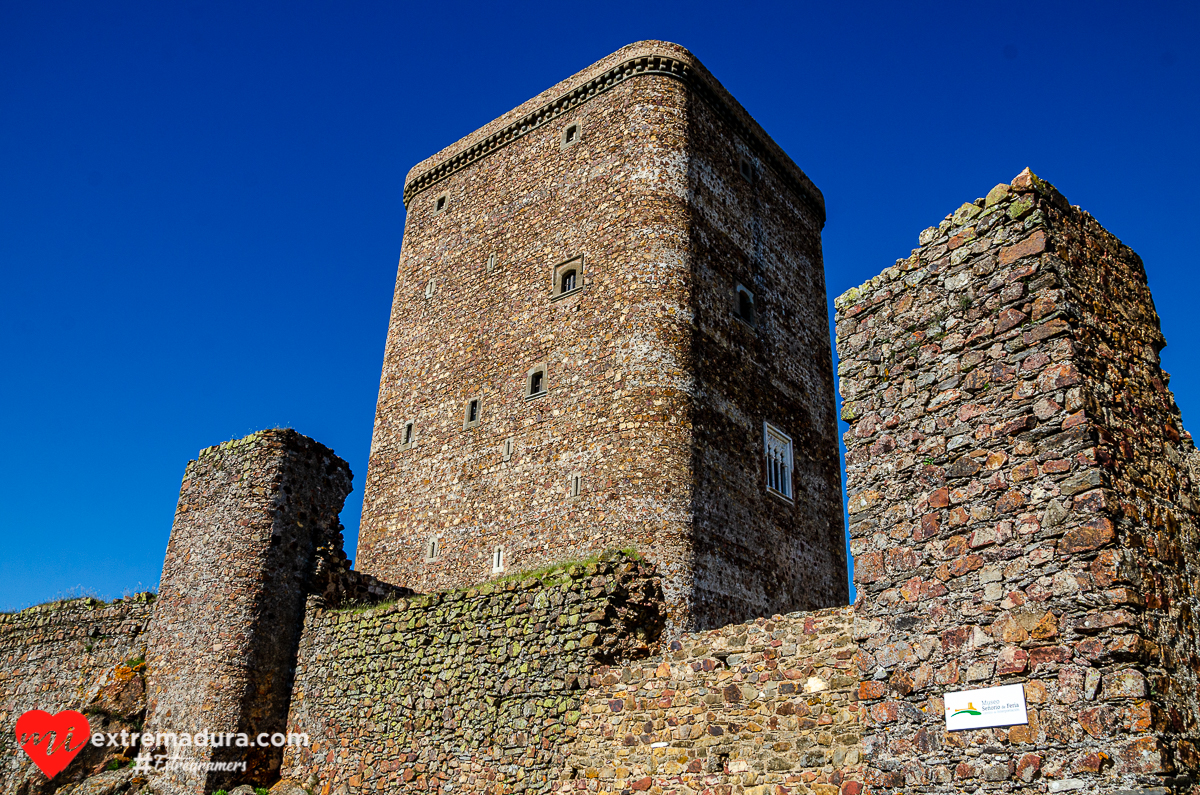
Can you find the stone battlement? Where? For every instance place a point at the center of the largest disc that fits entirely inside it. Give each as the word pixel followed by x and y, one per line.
pixel 476 688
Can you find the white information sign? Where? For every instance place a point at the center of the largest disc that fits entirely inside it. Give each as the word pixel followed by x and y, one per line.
pixel 986 708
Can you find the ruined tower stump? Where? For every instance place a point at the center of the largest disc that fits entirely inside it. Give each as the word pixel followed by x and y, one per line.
pixel 254 519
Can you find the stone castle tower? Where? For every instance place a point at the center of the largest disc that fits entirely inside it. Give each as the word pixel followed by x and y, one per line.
pixel 608 331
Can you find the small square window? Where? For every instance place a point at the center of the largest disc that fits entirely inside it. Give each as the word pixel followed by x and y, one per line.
pixel 535 382
pixel 471 413
pixel 568 277
pixel 746 169
pixel 408 435
pixel 439 203
pixel 778 448
pixel 571 134
pixel 498 560
pixel 745 306
pixel 433 550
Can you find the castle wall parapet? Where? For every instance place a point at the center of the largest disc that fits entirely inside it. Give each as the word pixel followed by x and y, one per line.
pixel 642 58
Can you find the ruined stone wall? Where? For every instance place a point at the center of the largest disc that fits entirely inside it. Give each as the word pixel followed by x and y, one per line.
pixel 60 656
pixel 627 403
pixel 472 690
pixel 1019 511
pixel 255 527
pixel 765 707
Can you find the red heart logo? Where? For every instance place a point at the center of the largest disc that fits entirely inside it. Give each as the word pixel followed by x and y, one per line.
pixel 49 740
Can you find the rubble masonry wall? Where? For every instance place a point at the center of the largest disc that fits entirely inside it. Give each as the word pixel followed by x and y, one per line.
pixel 1020 508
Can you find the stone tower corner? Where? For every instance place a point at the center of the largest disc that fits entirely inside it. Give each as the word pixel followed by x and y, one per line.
pixel 1022 505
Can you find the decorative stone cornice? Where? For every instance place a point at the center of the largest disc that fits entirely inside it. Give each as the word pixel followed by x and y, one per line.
pixel 649 64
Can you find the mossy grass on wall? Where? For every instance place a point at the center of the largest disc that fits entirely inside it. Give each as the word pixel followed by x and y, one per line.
pixel 555 571
pixel 548 575
pixel 86 601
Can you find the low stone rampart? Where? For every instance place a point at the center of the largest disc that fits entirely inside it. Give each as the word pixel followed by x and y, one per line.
pixel 550 685
pixel 60 656
pixel 473 690
pixel 767 707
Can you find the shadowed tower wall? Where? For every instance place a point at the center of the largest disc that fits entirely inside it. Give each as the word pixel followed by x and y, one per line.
pixel 649 181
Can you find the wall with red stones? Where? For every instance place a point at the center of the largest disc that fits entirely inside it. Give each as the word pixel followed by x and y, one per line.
pixel 1022 508
pixel 655 394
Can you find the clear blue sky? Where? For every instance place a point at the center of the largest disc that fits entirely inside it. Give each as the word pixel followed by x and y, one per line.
pixel 200 203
